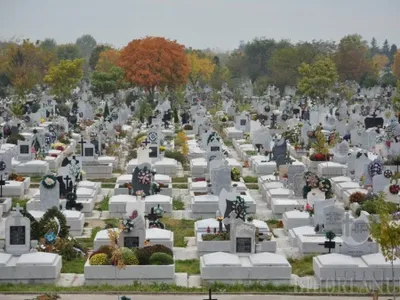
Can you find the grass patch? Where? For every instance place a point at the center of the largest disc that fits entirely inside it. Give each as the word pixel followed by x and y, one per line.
pixel 302 266
pixel 177 204
pixel 190 266
pixel 111 222
pixel 252 186
pixel 87 243
pixel 105 180
pixel 21 202
pixel 183 179
pixel 172 288
pixel 36 178
pixel 103 205
pixel 274 223
pixel 250 179
pixel 108 185
pixel 74 266
pixel 181 228
pixel 181 186
pixel 228 143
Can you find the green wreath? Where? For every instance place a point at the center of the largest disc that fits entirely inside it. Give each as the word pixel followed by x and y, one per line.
pixel 49 181
pixel 35 228
pixel 50 215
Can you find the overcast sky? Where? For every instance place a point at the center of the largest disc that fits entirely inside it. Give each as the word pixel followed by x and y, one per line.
pixel 199 23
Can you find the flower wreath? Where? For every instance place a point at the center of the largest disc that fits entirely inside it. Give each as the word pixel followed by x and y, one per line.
pixel 324 185
pixel 388 173
pixel 127 223
pixel 49 181
pixel 144 176
pixel 394 189
pixel 312 180
pixel 375 168
pixel 284 117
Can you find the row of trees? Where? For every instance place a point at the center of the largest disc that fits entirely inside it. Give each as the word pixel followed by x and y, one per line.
pixel 157 62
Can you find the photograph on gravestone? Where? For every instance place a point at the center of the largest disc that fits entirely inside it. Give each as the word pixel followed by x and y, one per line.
pixel 17 235
pixel 214 148
pixel 153 153
pixel 89 152
pixel 24 149
pixel 243 245
pixel 131 241
pixel 243 122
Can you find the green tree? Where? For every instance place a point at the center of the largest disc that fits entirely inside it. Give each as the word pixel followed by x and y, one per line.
pixel 257 53
pixel 237 64
pixel 48 44
pixel 317 78
pixel 64 77
pixel 95 54
pixel 68 51
pixel 352 58
pixel 388 79
pixel 386 233
pixel 86 43
pixel 104 83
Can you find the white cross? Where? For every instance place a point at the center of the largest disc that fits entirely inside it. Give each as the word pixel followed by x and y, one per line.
pixel 18 209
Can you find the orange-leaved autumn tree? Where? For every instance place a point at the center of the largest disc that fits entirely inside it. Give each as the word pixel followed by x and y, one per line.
pixel 380 61
pixel 396 65
pixel 154 62
pixel 107 60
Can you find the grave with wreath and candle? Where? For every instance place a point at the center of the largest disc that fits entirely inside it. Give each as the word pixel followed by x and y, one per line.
pixel 21 263
pixel 49 197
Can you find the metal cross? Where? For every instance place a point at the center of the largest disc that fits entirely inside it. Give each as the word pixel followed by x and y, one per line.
pixel 82 142
pixel 209 296
pixel 67 179
pixel 146 142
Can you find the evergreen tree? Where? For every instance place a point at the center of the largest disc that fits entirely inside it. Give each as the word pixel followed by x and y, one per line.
pixel 374 49
pixel 106 111
pixel 385 48
pixel 392 52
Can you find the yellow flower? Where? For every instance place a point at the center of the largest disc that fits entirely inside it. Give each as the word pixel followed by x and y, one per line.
pixel 42 120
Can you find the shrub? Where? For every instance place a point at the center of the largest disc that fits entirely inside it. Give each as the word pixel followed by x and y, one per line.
pixel 179 156
pixel 98 259
pixel 144 254
pixel 357 197
pixel 161 259
pixel 129 257
pixel 250 179
pixel 136 140
pixel 188 127
pixel 235 174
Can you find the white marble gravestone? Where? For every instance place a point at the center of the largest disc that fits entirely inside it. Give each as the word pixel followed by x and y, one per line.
pixel 18 233
pixel 49 197
pixel 220 178
pixel 333 216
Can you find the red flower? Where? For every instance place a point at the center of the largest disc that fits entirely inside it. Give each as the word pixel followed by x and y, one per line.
pixel 60 148
pixel 53 155
pixel 387 143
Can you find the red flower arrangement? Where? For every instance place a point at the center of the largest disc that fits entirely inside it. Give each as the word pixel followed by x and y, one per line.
pixel 198 179
pixel 60 148
pixel 318 157
pixel 394 189
pixel 357 197
pixel 53 155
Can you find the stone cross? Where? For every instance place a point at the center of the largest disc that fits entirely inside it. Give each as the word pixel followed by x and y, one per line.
pixel 146 142
pixel 18 209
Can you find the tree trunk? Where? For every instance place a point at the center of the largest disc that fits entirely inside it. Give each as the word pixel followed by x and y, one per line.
pixel 393 280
